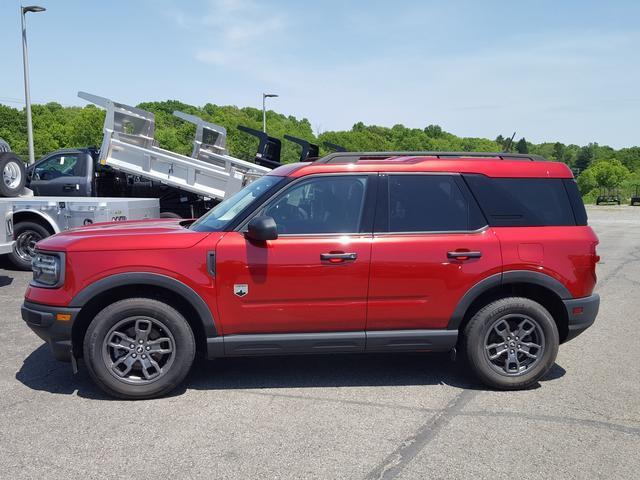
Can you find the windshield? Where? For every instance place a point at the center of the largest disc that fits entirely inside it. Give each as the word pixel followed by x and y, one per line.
pixel 223 214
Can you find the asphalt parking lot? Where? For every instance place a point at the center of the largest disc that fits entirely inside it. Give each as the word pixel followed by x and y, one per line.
pixel 355 417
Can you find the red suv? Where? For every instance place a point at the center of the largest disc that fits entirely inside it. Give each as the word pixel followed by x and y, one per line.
pixel 487 253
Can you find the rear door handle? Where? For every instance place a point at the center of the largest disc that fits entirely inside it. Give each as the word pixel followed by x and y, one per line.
pixel 338 257
pixel 69 186
pixel 461 255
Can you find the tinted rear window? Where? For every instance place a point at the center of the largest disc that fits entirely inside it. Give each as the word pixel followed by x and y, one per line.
pixel 522 201
pixel 579 212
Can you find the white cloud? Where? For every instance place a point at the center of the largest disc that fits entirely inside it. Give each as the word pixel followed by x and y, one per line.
pixel 231 28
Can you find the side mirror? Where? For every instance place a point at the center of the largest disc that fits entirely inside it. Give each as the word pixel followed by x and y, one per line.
pixel 262 228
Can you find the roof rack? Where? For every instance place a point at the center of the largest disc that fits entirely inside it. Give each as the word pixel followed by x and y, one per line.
pixel 354 157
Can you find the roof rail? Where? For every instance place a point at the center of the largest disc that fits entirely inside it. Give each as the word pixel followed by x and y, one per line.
pixel 354 157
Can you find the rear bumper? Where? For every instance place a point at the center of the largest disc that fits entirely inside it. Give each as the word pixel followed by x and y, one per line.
pixel 581 313
pixel 42 320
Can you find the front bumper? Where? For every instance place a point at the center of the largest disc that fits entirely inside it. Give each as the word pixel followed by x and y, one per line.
pixel 581 313
pixel 42 319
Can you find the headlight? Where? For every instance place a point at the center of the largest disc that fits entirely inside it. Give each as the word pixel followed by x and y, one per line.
pixel 48 269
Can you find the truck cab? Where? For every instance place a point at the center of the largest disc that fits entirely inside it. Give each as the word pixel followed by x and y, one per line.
pixel 64 173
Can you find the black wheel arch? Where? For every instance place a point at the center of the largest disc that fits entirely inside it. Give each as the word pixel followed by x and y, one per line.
pixel 537 286
pixel 132 284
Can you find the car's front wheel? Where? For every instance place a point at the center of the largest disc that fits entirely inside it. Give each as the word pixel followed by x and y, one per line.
pixel 138 348
pixel 511 343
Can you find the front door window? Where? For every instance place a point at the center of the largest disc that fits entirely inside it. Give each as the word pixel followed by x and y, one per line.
pixel 66 165
pixel 323 205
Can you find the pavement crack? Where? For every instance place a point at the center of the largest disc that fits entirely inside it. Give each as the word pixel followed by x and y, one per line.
pixel 601 424
pixel 585 422
pixel 391 466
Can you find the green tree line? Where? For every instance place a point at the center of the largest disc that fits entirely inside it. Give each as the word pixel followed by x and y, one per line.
pixel 598 167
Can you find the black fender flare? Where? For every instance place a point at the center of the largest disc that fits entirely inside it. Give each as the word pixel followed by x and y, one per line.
pixel 154 279
pixel 505 278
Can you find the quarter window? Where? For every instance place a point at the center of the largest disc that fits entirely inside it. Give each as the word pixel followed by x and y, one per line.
pixel 331 204
pixel 430 203
pixel 530 202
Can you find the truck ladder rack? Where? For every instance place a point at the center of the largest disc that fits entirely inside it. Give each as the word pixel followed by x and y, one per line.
pixel 129 146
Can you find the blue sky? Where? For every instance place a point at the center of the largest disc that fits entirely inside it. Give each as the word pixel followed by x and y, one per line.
pixel 551 70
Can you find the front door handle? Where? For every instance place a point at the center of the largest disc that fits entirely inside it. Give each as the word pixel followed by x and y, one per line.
pixel 338 257
pixel 462 255
pixel 69 186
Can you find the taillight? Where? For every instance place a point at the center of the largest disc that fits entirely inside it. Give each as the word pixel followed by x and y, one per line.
pixel 595 258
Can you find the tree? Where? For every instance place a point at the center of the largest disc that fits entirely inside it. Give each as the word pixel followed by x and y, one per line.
pixel 559 152
pixel 433 131
pixel 521 146
pixel 605 174
pixel 585 156
pixel 609 174
pixel 587 182
pixel 57 127
pixel 630 158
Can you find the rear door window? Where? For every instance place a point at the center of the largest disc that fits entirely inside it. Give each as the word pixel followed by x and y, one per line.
pixel 430 203
pixel 522 201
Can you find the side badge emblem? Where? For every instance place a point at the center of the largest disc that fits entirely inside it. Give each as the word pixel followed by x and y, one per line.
pixel 240 289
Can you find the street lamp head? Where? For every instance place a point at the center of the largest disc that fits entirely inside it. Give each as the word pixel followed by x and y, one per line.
pixel 33 8
pixel 269 95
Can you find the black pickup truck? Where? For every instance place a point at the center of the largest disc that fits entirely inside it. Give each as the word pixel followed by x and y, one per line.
pixel 78 173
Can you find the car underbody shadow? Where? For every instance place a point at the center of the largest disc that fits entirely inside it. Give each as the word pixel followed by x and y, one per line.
pixel 41 372
pixel 4 280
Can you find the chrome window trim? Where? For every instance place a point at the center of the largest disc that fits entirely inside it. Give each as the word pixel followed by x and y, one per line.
pixel 436 232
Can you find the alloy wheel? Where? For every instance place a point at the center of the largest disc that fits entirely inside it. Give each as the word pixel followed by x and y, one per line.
pixel 514 344
pixel 138 350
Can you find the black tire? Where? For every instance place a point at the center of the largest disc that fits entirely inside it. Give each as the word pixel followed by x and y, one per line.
pixel 99 353
pixel 26 235
pixel 169 215
pixel 484 330
pixel 12 175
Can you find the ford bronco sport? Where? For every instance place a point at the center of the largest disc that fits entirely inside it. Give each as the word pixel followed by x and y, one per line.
pixel 487 253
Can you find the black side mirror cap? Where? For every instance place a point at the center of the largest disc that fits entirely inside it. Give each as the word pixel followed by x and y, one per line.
pixel 262 228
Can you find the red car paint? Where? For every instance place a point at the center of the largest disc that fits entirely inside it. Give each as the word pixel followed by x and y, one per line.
pixel 399 281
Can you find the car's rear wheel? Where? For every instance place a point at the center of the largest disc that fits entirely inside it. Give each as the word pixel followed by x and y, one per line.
pixel 139 348
pixel 511 343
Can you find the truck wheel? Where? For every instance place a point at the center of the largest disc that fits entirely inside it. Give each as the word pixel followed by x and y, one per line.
pixel 26 235
pixel 13 174
pixel 511 343
pixel 169 215
pixel 139 348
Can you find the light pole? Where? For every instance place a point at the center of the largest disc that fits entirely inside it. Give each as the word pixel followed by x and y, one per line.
pixel 264 111
pixel 25 62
